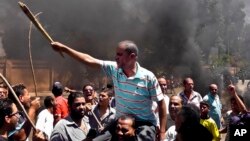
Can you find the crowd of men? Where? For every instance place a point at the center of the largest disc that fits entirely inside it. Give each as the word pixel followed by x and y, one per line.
pixel 136 107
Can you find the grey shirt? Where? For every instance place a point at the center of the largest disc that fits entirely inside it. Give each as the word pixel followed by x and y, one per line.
pixel 105 120
pixel 67 130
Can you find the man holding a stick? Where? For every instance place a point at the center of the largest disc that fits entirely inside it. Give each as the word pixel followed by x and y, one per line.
pixel 31 106
pixel 135 87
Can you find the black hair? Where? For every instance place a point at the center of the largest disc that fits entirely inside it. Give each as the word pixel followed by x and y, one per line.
pixel 5 109
pixel 72 96
pixel 18 89
pixel 57 89
pixel 191 116
pixel 130 47
pixel 88 84
pixel 125 117
pixel 205 103
pixel 110 92
pixel 48 102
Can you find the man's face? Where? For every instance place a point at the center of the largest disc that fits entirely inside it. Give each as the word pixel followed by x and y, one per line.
pixel 78 108
pixel 174 106
pixel 25 98
pixel 88 92
pixel 3 93
pixel 189 85
pixel 204 109
pixel 104 98
pixel 13 118
pixel 163 85
pixel 125 129
pixel 122 58
pixel 213 89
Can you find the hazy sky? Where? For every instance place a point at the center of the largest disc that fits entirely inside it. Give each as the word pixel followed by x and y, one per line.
pixel 247 9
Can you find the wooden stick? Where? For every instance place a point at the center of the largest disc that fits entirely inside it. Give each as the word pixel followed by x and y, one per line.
pixel 34 20
pixel 99 123
pixel 18 101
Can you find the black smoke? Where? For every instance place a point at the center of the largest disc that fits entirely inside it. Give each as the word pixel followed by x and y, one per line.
pixel 165 31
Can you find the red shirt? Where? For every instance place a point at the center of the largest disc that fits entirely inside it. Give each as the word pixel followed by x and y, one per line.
pixel 60 108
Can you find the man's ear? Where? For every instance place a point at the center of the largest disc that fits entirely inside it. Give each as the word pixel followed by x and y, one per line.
pixel 20 98
pixel 7 119
pixel 133 55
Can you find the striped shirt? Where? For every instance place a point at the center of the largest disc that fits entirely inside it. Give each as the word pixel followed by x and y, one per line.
pixel 134 95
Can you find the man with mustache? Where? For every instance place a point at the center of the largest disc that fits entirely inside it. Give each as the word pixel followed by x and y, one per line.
pixel 75 126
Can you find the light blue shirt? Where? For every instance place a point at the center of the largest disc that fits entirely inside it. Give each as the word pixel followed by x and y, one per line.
pixel 215 107
pixel 134 95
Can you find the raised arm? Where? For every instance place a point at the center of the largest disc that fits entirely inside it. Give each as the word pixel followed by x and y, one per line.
pixel 82 57
pixel 232 91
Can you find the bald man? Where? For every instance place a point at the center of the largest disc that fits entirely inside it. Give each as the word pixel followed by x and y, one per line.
pixel 212 98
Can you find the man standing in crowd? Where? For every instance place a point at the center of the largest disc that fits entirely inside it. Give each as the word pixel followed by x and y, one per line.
pixel 189 95
pixel 61 104
pixel 163 84
pixel 75 126
pixel 212 98
pixel 9 117
pixel 90 94
pixel 102 112
pixel 175 105
pixel 31 106
pixel 135 87
pixel 3 91
pixel 45 118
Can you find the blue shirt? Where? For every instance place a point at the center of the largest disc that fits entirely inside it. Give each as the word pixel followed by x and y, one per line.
pixel 134 95
pixel 215 108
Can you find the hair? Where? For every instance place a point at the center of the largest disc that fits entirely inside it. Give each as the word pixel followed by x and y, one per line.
pixel 125 117
pixel 190 114
pixel 130 47
pixel 108 91
pixel 186 79
pixel 3 85
pixel 182 102
pixel 5 109
pixel 88 84
pixel 72 96
pixel 18 89
pixel 57 89
pixel 205 103
pixel 48 102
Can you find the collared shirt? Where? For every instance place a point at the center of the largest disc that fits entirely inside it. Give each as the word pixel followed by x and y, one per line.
pixel 67 130
pixel 215 107
pixel 134 95
pixel 195 98
pixel 105 120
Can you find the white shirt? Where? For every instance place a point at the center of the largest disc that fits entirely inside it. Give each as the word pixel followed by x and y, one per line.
pixel 45 121
pixel 171 134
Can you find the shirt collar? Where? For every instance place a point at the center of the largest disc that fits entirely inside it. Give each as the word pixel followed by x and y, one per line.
pixel 139 72
pixel 71 122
